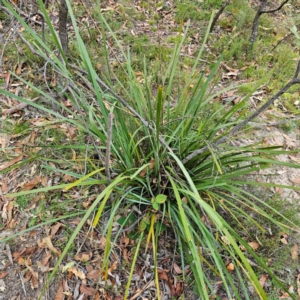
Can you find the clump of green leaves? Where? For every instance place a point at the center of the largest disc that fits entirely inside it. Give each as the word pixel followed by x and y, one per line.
pixel 159 199
pixel 157 124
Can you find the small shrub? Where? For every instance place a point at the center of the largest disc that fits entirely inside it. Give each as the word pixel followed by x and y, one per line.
pixel 144 143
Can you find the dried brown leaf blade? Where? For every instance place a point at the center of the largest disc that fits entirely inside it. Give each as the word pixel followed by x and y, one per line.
pixel 60 292
pixel 48 244
pixel 262 280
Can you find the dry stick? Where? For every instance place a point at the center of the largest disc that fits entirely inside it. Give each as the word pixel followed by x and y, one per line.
pixel 29 45
pixel 259 12
pixel 8 253
pixel 28 18
pixel 283 39
pixel 218 14
pixel 275 9
pixel 235 129
pixel 17 107
pixel 125 103
pixel 22 282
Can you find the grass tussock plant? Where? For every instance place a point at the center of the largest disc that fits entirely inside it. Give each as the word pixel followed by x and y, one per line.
pixel 141 143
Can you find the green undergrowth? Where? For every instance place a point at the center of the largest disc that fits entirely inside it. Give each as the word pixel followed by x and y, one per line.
pixel 274 66
pixel 276 246
pixel 261 61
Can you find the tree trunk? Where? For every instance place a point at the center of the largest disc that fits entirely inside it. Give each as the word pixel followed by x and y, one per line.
pixel 63 34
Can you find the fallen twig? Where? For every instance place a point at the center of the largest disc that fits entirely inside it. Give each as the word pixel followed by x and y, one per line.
pixel 218 14
pixel 17 107
pixel 284 38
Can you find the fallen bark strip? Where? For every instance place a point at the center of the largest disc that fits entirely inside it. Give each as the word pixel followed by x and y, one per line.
pixel 294 80
pixel 17 107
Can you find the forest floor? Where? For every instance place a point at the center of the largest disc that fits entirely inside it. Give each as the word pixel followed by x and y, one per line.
pixel 149 29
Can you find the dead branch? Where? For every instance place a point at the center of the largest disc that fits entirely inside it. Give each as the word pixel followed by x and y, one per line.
pixel 260 11
pixel 275 9
pixel 218 14
pixel 263 3
pixel 294 80
pixel 283 39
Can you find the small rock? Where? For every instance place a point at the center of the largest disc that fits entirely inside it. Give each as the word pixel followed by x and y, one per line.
pixel 2 285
